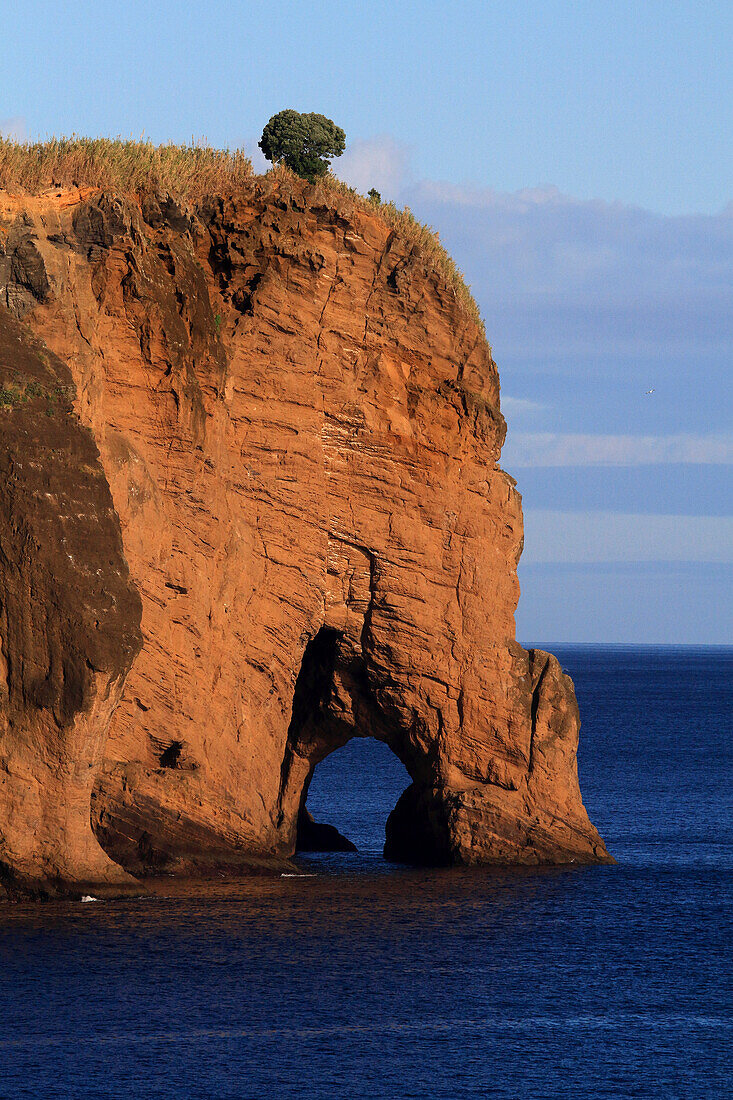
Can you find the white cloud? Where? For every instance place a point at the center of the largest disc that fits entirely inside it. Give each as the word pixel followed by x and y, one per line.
pixel 260 163
pixel 554 449
pixel 516 408
pixel 582 537
pixel 560 279
pixel 14 128
pixel 566 283
pixel 569 282
pixel 379 162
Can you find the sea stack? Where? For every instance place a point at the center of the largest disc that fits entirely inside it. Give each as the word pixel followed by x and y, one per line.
pixel 250 508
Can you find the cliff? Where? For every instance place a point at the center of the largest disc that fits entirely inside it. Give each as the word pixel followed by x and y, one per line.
pixel 251 508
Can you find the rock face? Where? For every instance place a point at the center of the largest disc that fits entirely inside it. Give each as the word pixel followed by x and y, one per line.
pixel 69 621
pixel 298 424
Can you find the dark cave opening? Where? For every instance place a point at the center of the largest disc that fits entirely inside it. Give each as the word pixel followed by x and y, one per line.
pixel 170 757
pixel 309 725
pixel 314 684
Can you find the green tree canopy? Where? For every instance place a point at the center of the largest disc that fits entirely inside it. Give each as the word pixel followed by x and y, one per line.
pixel 306 143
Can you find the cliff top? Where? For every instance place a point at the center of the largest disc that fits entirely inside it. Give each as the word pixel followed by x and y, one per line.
pixel 192 173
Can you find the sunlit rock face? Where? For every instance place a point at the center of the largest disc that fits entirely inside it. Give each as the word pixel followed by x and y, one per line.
pixel 292 503
pixel 69 621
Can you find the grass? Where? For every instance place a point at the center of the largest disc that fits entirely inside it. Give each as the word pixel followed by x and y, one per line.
pixel 23 390
pixel 9 396
pixel 193 172
pixel 187 171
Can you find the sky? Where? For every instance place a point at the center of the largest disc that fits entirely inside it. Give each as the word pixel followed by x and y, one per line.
pixel 576 157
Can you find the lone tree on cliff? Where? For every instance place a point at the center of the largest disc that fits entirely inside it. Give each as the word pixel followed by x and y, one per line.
pixel 305 143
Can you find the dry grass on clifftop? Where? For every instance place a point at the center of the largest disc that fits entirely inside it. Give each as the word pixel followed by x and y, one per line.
pixel 187 171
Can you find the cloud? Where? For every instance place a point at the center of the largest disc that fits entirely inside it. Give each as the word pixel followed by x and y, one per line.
pixel 556 449
pixel 560 279
pixel 568 283
pixel 379 162
pixel 260 163
pixel 14 128
pixel 653 603
pixel 520 408
pixel 578 537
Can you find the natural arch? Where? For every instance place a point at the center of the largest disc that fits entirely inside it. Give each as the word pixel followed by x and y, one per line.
pixel 332 703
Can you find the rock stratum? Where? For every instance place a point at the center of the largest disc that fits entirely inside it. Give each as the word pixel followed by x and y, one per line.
pixel 250 507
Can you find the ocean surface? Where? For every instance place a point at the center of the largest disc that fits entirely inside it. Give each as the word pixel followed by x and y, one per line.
pixel 368 980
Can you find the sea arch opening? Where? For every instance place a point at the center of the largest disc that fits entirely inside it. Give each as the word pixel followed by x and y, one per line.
pixel 349 797
pixel 344 769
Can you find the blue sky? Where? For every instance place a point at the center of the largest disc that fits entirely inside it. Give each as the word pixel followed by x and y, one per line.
pixel 577 160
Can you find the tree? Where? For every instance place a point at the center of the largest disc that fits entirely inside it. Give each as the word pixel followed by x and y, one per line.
pixel 373 195
pixel 305 143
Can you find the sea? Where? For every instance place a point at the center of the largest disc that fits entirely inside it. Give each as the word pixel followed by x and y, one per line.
pixel 360 979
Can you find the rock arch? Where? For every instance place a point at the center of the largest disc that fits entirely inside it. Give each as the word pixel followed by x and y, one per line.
pixel 331 705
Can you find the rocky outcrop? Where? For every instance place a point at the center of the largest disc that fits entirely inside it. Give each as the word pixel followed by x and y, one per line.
pixel 317 836
pixel 538 820
pixel 298 423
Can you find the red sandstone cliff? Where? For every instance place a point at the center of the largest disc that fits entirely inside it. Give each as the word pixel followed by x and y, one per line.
pixel 276 412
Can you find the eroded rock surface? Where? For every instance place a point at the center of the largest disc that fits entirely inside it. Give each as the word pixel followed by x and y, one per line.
pixel 69 621
pixel 299 426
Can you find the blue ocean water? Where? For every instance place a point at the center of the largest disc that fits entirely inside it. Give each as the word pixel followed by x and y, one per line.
pixel 366 980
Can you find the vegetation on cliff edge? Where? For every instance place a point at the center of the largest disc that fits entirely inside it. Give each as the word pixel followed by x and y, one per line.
pixel 187 171
pixel 190 173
